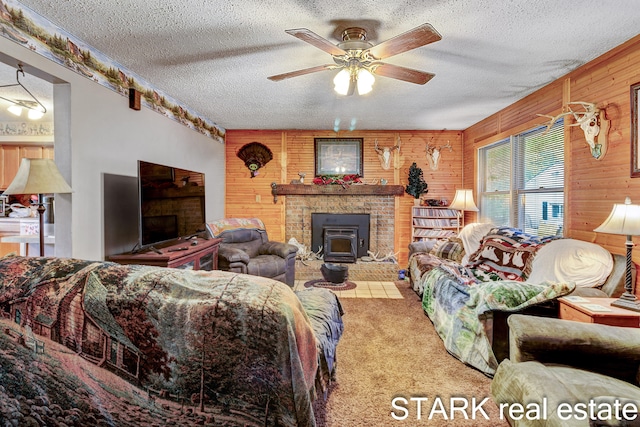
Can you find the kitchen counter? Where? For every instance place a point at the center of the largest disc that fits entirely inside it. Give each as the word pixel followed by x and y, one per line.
pixel 21 234
pixel 27 225
pixel 30 244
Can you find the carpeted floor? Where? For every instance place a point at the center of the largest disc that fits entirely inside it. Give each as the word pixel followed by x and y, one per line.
pixel 390 349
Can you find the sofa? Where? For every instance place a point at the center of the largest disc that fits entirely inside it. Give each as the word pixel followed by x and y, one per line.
pixel 470 284
pixel 246 248
pixel 91 343
pixel 553 362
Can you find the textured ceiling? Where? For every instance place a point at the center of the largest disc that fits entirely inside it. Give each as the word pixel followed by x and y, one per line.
pixel 215 56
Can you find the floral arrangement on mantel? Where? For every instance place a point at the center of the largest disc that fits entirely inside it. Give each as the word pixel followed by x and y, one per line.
pixel 344 180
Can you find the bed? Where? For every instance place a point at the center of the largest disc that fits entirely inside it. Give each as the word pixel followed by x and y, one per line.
pixel 110 344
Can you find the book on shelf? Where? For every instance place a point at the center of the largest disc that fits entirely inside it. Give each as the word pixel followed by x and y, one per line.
pixel 442 213
pixel 433 233
pixel 435 222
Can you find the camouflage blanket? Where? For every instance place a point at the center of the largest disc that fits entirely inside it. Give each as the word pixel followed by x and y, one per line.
pixel 456 305
pixel 99 343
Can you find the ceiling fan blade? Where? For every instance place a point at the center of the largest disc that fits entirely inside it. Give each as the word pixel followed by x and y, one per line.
pixel 302 72
pixel 402 73
pixel 419 36
pixel 317 41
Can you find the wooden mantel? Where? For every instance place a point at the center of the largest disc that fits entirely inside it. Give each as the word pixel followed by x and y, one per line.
pixel 333 189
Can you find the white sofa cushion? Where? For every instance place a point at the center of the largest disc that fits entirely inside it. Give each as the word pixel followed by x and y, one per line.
pixel 471 236
pixel 569 260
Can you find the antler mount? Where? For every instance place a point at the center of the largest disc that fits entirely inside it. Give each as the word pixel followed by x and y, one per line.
pixel 591 120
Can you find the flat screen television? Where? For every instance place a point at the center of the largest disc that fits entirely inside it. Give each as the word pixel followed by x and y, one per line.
pixel 171 203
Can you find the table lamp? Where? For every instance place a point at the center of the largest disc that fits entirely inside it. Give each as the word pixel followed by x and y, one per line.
pixel 463 201
pixel 624 219
pixel 38 176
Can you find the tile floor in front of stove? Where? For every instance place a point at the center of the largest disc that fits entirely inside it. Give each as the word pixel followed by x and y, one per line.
pixel 364 289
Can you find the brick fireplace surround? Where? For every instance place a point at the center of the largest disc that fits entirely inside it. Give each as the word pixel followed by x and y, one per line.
pixel 298 210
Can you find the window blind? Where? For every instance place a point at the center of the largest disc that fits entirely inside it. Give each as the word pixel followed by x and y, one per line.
pixel 522 181
pixel 495 198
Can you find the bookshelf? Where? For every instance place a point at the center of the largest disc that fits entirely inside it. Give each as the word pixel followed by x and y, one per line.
pixel 433 222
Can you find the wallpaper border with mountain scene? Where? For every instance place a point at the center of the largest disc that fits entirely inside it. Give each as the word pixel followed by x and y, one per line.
pixel 25 27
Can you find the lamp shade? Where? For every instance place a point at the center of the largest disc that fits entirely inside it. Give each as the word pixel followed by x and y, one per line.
pixel 463 201
pixel 16 110
pixel 38 176
pixel 35 114
pixel 623 219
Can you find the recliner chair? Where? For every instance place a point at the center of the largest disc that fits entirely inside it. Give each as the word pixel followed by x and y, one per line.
pixel 555 362
pixel 245 248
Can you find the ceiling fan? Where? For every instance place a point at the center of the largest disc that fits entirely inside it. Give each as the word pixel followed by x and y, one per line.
pixel 359 59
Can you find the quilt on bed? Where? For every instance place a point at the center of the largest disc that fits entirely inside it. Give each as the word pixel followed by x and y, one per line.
pixel 134 345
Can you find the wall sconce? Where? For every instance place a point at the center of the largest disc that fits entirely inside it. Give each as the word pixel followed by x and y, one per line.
pixel 35 107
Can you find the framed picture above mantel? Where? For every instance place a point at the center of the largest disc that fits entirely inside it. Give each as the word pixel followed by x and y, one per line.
pixel 338 156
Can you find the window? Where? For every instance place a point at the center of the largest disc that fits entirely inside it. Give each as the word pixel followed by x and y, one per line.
pixel 522 181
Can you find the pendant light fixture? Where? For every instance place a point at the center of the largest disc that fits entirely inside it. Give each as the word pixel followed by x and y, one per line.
pixel 34 107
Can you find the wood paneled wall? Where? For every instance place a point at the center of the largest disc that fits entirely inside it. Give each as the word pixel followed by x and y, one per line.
pixel 293 152
pixel 592 186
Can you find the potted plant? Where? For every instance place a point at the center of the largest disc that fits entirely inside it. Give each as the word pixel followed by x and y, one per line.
pixel 417 184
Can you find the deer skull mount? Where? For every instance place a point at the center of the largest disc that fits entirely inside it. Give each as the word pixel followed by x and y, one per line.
pixel 385 154
pixel 593 123
pixel 433 154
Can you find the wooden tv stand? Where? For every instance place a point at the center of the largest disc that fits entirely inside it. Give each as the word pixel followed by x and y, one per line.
pixel 203 255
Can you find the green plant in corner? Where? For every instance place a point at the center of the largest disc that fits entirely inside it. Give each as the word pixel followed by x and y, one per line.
pixel 417 185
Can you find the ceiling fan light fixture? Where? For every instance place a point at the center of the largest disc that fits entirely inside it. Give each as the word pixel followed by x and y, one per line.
pixel 341 82
pixel 365 81
pixel 355 54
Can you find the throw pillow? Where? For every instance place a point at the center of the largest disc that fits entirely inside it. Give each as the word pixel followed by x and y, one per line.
pixel 505 254
pixel 450 248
